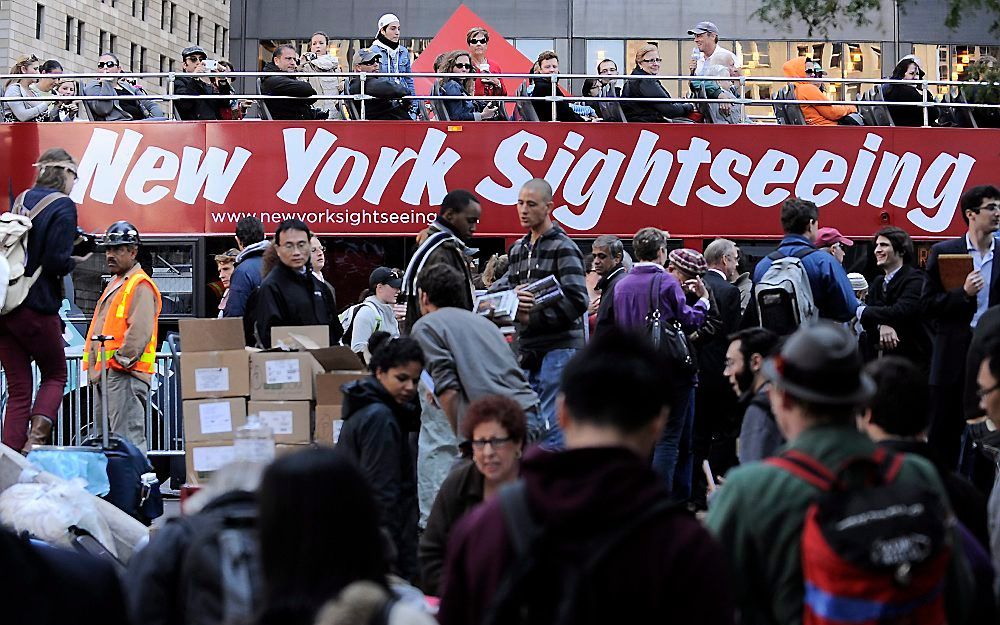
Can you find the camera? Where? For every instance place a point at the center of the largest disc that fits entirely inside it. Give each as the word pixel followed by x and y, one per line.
pixel 84 243
pixel 210 65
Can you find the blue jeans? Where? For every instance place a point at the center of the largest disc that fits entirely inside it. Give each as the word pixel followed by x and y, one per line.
pixel 672 457
pixel 545 382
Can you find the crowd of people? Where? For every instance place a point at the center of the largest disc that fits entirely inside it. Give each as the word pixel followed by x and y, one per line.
pixel 713 70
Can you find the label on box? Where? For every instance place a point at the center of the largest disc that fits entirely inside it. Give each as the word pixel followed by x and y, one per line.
pixel 215 417
pixel 280 421
pixel 282 371
pixel 212 458
pixel 211 380
pixel 338 425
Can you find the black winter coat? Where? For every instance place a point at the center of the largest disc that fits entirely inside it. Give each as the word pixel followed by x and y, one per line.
pixel 899 305
pixel 376 434
pixel 50 245
pixel 650 112
pixel 196 108
pixel 287 86
pixel 461 491
pixel 564 113
pixel 289 298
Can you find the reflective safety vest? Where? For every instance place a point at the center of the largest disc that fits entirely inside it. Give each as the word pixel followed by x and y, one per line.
pixel 116 323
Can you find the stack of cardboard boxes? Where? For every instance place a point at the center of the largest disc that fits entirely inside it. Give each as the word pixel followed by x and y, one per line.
pixel 294 389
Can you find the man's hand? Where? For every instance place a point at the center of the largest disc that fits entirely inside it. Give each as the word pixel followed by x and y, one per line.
pixel 887 337
pixel 594 305
pixel 489 112
pixel 525 304
pixel 82 259
pixel 974 283
pixel 692 64
pixel 696 286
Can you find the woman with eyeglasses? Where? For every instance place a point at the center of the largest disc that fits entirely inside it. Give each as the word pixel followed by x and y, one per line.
pixel 380 412
pixel 24 110
pixel 647 63
pixel 460 62
pixel 496 429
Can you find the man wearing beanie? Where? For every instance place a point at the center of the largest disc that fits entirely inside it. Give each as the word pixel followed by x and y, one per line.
pixel 817 387
pixel 394 55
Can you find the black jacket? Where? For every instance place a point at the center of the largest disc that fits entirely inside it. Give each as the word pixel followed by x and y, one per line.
pixel 386 104
pixel 986 330
pixel 44 585
pixel 460 492
pixel 605 285
pixel 156 587
pixel 712 352
pixel 650 112
pixel 196 108
pixel 50 245
pixel 376 434
pixel 564 113
pixel 951 312
pixel 907 115
pixel 899 306
pixel 289 298
pixel 287 86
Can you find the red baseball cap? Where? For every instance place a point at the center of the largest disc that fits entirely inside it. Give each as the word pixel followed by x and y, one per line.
pixel 825 237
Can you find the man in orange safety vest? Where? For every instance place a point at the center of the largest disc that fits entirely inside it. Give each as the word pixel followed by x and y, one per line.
pixel 128 312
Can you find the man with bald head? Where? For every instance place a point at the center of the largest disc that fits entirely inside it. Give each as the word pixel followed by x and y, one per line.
pixel 549 333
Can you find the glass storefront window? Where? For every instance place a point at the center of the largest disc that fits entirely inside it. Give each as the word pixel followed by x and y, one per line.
pixel 935 61
pixel 604 49
pixel 531 48
pixel 761 59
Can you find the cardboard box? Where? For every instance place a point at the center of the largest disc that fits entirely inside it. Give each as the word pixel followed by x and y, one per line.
pixel 328 425
pixel 212 335
pixel 205 458
pixel 206 375
pixel 300 337
pixel 328 385
pixel 281 375
pixel 281 450
pixel 213 419
pixel 288 420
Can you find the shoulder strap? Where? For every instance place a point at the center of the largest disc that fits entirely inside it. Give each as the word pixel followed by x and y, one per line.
pixel 42 203
pixel 17 207
pixel 803 252
pixel 804 467
pixel 777 255
pixel 654 294
pixel 521 525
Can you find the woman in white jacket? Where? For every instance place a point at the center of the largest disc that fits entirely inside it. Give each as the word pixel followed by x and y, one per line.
pixel 319 59
pixel 395 57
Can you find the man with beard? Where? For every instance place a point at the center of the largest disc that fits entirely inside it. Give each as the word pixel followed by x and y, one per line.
pixel 759 434
pixel 447 245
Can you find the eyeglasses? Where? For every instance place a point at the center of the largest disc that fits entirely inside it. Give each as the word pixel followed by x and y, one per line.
pixel 496 443
pixel 103 64
pixel 195 59
pixel 291 247
pixel 477 42
pixel 462 65
pixel 321 248
pixel 657 60
pixel 983 392
pixel 991 208
pixel 374 61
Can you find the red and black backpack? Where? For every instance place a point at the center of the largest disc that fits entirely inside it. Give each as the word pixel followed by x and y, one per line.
pixel 874 549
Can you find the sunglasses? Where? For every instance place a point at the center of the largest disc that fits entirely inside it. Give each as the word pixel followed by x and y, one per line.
pixel 462 65
pixel 657 60
pixel 477 42
pixel 195 59
pixel 103 64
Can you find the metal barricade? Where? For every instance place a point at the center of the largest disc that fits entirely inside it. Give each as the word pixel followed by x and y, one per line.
pixel 79 411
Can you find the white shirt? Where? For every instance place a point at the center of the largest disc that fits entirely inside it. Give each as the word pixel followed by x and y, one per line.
pixel 721 58
pixel 984 264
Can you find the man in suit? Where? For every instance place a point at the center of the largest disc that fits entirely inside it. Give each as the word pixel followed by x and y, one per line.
pixel 957 311
pixel 893 320
pixel 609 263
pixel 717 414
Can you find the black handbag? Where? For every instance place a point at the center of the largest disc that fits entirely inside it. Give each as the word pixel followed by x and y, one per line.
pixel 667 335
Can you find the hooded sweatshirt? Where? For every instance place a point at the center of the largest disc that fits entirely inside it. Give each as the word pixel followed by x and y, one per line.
pixel 668 566
pixel 376 434
pixel 822 115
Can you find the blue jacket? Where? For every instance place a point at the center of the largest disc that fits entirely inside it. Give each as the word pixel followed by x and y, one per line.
pixel 246 277
pixel 397 60
pixel 831 289
pixel 458 110
pixel 50 245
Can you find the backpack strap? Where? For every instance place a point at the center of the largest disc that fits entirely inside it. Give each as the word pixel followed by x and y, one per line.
pixel 804 467
pixel 803 252
pixel 521 525
pixel 37 208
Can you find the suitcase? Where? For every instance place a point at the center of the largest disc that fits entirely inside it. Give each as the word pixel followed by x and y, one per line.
pixel 130 492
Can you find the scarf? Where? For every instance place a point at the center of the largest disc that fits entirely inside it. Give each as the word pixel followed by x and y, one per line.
pixel 444 233
pixel 391 45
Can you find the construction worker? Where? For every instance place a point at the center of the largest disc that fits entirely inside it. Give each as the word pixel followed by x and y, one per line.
pixel 128 312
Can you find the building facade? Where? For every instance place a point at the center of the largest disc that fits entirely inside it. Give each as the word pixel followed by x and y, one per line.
pixel 146 35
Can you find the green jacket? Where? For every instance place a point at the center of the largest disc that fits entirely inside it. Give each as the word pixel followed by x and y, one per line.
pixel 758 516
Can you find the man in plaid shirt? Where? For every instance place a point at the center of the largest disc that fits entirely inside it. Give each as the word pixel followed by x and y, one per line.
pixel 548 335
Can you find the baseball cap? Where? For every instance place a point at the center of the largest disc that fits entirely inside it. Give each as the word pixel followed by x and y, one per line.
pixel 385 275
pixel 690 261
pixel 704 27
pixel 825 237
pixel 858 282
pixel 191 50
pixel 821 363
pixel 366 55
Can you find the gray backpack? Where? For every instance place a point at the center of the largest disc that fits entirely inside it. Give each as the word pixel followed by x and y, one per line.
pixel 784 295
pixel 14 229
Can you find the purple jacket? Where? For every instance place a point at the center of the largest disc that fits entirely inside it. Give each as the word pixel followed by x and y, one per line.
pixel 631 301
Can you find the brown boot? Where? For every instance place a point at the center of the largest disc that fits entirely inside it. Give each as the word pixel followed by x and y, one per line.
pixel 38 433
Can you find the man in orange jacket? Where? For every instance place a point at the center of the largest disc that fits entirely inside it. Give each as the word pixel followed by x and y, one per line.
pixel 819 115
pixel 128 311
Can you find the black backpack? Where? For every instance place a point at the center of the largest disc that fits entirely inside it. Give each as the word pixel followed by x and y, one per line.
pixel 526 594
pixel 221 580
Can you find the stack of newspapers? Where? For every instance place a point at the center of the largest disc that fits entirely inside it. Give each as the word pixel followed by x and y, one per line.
pixel 501 306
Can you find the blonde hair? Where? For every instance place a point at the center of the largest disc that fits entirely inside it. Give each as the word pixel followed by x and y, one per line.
pixel 18 68
pixel 643 51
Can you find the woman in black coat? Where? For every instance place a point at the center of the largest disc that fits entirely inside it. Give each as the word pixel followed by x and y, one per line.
pixel 907 69
pixel 379 414
pixel 647 63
